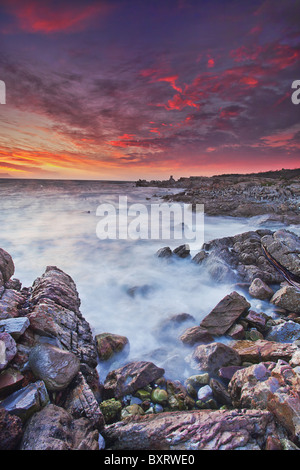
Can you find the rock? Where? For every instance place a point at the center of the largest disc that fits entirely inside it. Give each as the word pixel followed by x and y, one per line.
pixel 111 410
pixel 262 350
pixel 194 382
pixel 286 332
pixel 288 297
pixel 260 290
pixel 132 410
pixel 26 401
pixel 7 267
pixel 227 311
pixel 10 380
pixel 269 386
pixel 129 378
pixel 53 428
pixel 220 392
pixel 295 359
pixel 10 302
pixel 182 251
pixel 143 290
pixel 80 402
pixel 193 430
pixel 284 247
pixel 11 430
pixel 240 258
pixel 55 366
pixel 8 349
pixel 159 395
pixel 165 252
pixel 68 326
pixel 205 393
pixel 196 334
pixel 109 344
pixel 57 286
pixel 236 331
pixel 257 320
pixel 213 356
pixel 15 326
pixel 226 373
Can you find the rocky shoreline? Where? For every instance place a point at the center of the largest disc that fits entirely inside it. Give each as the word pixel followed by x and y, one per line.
pixel 274 194
pixel 244 393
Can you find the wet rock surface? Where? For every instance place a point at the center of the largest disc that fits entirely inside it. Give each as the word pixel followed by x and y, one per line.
pixel 242 391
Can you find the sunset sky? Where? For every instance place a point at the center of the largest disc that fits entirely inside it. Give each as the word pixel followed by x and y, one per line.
pixel 128 89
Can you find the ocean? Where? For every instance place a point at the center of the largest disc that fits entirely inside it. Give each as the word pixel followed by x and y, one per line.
pixel 124 288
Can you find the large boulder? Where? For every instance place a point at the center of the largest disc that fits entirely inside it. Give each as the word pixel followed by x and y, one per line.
pixel 53 428
pixel 269 386
pixel 287 297
pixel 222 317
pixel 239 258
pixel 284 247
pixel 55 366
pixel 211 357
pixel 7 267
pixel 193 430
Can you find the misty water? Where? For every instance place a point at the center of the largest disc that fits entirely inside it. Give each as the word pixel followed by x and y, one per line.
pixel 124 288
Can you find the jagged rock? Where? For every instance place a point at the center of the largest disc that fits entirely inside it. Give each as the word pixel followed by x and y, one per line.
pixel 194 430
pixel 27 401
pixel 288 297
pixel 212 357
pixel 10 302
pixel 15 326
pixel 240 258
pixel 222 317
pixel 182 251
pixel 109 344
pixel 80 402
pixel 55 366
pixel 57 286
pixel 269 386
pixel 7 267
pixel 286 332
pixel 53 428
pixel 262 350
pixel 164 252
pixel 260 290
pixel 8 349
pixel 129 378
pixel 11 430
pixel 72 330
pixel 284 247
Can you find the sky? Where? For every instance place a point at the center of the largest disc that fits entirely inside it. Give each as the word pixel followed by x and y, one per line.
pixel 129 89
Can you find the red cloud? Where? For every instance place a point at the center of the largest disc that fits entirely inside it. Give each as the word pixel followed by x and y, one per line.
pixel 49 17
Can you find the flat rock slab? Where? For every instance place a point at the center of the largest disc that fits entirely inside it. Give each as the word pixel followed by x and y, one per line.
pixel 193 430
pixel 15 326
pixel 130 378
pixel 262 350
pixel 222 317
